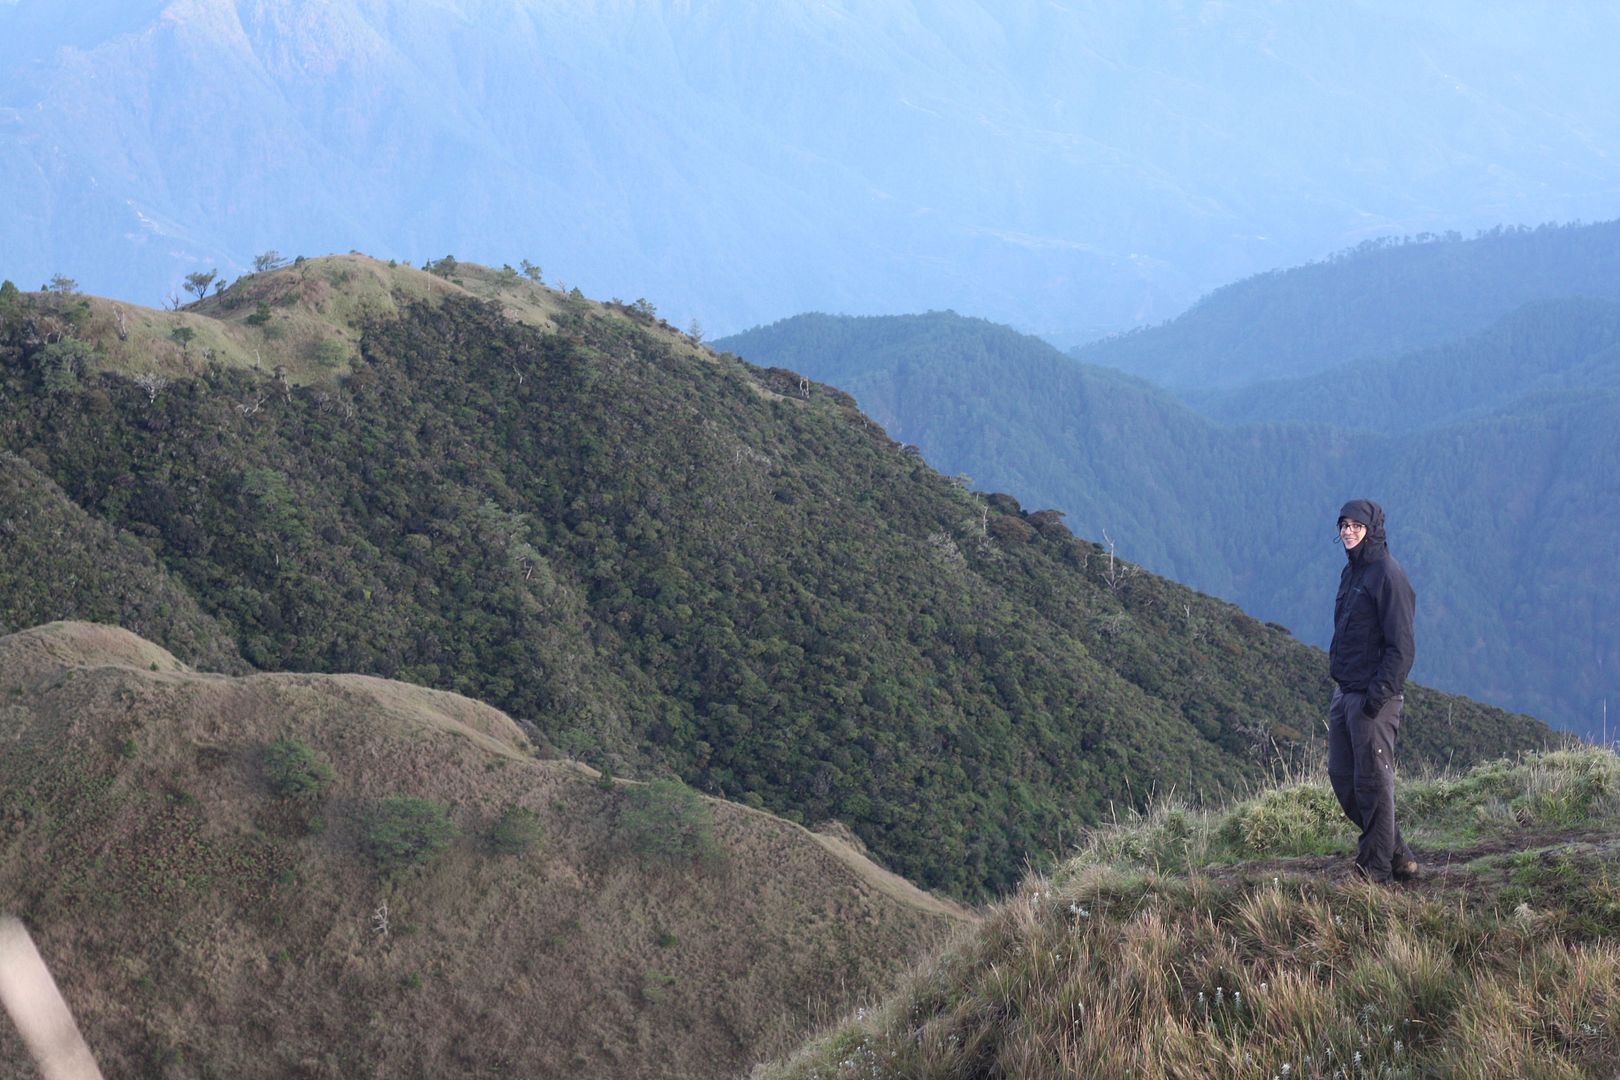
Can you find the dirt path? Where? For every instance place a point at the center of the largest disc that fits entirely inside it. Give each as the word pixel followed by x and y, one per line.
pixel 1443 868
pixel 890 884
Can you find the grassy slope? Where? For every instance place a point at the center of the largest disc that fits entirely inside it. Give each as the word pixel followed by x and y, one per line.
pixel 1227 945
pixel 325 299
pixel 198 928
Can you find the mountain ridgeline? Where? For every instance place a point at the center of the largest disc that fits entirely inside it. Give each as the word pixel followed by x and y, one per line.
pixel 656 557
pixel 1494 451
pixel 1377 301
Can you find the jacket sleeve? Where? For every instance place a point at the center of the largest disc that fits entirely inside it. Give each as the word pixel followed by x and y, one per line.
pixel 1396 604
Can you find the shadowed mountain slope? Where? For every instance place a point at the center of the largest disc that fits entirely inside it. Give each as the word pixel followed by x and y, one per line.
pixel 1565 348
pixel 199 919
pixel 59 562
pixel 1495 455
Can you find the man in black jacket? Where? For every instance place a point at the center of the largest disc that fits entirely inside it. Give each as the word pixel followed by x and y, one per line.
pixel 1371 653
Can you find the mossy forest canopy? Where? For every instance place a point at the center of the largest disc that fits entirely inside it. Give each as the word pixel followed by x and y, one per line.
pixel 666 560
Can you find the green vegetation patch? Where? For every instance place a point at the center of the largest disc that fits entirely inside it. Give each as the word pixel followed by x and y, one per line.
pixel 405 831
pixel 1559 789
pixel 295 771
pixel 1565 789
pixel 1574 888
pixel 516 832
pixel 666 823
pixel 1296 820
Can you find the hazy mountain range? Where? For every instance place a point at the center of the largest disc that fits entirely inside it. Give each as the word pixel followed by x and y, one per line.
pixel 1069 170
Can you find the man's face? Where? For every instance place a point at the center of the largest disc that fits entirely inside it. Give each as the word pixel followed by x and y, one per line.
pixel 1351 532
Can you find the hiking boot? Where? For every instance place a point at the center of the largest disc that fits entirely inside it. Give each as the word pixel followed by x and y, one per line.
pixel 1407 870
pixel 1362 873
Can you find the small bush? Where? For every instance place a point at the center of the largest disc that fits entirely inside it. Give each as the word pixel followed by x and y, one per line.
pixel 330 353
pixel 407 831
pixel 1293 820
pixel 516 832
pixel 666 822
pixel 296 772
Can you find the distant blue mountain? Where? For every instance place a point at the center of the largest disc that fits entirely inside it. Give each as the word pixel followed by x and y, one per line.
pixel 1067 169
pixel 1371 304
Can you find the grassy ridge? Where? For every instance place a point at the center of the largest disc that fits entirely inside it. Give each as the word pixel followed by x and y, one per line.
pixel 1183 944
pixel 207 918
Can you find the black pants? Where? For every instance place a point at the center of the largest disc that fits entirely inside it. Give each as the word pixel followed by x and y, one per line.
pixel 1361 766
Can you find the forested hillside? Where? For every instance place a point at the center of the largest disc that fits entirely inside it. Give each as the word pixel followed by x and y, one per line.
pixel 661 558
pixel 1496 456
pixel 61 562
pixel 1543 351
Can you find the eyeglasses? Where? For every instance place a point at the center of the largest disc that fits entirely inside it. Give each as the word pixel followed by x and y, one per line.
pixel 1352 526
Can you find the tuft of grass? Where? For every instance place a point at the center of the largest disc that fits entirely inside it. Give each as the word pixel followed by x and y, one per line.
pixel 1299 819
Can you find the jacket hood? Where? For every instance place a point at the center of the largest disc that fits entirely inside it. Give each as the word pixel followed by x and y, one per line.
pixel 1371 515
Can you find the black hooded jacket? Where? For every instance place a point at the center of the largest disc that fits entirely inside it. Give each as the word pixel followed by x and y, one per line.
pixel 1372 646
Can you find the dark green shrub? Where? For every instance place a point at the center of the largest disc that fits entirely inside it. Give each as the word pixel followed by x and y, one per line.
pixel 515 832
pixel 330 352
pixel 296 772
pixel 406 831
pixel 666 822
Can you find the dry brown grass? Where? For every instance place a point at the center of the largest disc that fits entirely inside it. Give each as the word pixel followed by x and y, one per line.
pixel 1505 963
pixel 327 300
pixel 199 926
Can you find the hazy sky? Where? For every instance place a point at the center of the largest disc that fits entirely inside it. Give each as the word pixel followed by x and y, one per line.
pixel 1069 169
